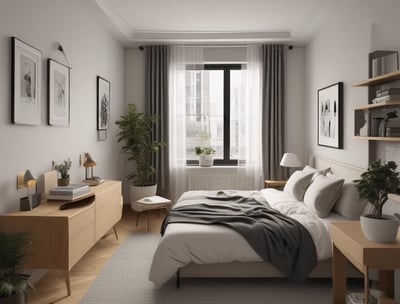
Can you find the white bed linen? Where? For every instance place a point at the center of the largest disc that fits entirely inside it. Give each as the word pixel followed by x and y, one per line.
pixel 208 244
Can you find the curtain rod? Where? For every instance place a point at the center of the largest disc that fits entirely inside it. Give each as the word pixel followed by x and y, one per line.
pixel 290 47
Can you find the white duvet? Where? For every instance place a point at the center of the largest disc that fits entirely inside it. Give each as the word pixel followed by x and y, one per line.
pixel 208 244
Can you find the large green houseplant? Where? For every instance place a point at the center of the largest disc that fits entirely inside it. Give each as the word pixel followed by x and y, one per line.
pixel 13 252
pixel 375 184
pixel 135 133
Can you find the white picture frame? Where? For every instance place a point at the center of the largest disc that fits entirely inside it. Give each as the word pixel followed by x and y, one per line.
pixel 58 76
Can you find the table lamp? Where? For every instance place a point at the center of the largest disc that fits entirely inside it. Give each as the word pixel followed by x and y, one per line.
pixel 290 160
pixel 89 178
pixel 30 201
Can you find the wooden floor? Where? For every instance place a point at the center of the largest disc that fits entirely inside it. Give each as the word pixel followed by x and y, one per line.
pixel 51 288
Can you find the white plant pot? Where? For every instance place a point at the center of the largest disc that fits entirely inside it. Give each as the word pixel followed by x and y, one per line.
pixel 137 192
pixel 206 160
pixel 380 230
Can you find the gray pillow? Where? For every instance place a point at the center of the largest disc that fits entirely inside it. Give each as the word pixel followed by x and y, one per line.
pixel 322 194
pixel 297 184
pixel 349 203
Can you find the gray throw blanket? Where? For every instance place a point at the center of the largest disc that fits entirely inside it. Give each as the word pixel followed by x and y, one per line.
pixel 276 238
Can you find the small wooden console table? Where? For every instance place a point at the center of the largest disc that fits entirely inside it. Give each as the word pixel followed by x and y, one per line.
pixel 349 243
pixel 62 237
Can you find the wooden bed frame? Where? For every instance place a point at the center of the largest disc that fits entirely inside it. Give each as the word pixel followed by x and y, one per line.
pixel 267 270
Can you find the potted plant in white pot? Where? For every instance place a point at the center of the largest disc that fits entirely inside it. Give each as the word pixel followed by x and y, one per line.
pixel 375 184
pixel 13 283
pixel 206 156
pixel 135 133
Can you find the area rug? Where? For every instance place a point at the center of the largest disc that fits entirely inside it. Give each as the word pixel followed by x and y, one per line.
pixel 124 280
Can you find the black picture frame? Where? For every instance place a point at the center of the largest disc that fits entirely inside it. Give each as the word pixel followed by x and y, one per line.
pixel 103 103
pixel 25 83
pixel 58 93
pixel 330 116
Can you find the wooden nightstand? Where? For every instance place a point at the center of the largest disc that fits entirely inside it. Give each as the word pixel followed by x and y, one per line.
pixel 350 244
pixel 277 184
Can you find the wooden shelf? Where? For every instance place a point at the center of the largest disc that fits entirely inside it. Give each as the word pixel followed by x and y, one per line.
pixel 378 138
pixel 379 79
pixel 378 105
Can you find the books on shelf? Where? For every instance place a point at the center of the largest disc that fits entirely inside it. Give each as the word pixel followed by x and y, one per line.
pixel 69 192
pixel 390 91
pixel 386 98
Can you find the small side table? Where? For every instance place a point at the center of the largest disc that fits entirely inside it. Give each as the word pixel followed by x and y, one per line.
pixel 277 184
pixel 349 244
pixel 148 204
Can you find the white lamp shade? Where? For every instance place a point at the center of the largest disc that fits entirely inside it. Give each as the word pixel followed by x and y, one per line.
pixel 290 160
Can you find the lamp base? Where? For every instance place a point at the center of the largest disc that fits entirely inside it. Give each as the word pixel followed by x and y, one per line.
pixel 29 202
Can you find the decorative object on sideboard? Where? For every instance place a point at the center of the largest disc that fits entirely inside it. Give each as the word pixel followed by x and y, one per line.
pixel 58 94
pixel 90 179
pixel 103 103
pixel 206 156
pixel 290 160
pixel 26 180
pixel 13 252
pixel 63 170
pixel 26 83
pixel 135 133
pixel 330 119
pixel 375 184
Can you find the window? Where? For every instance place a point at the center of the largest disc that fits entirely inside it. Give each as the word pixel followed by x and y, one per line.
pixel 212 103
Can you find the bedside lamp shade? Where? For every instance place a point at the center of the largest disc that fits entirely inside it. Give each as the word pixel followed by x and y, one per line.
pixel 29 180
pixel 290 160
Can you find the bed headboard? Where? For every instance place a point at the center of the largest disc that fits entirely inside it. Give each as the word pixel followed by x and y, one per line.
pixel 343 170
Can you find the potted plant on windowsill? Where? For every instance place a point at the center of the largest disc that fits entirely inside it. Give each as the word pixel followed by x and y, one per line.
pixel 13 283
pixel 135 133
pixel 375 184
pixel 63 170
pixel 206 156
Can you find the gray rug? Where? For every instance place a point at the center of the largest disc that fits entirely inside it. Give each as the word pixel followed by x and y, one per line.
pixel 124 280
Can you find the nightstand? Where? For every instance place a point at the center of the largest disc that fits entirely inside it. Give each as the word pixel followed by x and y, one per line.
pixel 350 244
pixel 277 184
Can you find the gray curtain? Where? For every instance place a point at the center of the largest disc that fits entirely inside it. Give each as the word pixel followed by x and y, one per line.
pixel 157 59
pixel 273 110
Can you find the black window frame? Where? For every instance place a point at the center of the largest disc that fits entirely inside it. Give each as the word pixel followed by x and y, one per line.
pixel 226 68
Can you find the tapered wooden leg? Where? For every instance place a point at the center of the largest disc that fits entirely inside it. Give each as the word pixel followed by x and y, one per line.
pixel 67 282
pixel 148 220
pixel 137 220
pixel 339 277
pixel 115 232
pixel 366 284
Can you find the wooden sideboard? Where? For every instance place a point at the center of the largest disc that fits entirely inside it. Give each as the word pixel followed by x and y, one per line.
pixel 62 237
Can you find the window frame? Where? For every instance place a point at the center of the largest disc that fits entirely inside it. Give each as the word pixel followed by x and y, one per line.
pixel 226 68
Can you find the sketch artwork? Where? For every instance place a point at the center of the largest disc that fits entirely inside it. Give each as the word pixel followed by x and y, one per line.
pixel 103 103
pixel 329 105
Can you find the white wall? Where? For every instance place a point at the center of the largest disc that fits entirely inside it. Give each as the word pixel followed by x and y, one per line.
pixel 91 51
pixel 339 52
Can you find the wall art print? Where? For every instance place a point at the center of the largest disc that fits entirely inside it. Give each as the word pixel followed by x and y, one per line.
pixel 25 77
pixel 58 93
pixel 330 124
pixel 103 103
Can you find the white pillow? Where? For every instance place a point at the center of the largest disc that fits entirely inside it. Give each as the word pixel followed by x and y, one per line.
pixel 297 184
pixel 308 168
pixel 322 194
pixel 349 203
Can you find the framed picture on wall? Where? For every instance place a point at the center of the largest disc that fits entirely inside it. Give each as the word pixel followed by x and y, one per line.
pixel 26 73
pixel 103 103
pixel 330 121
pixel 58 93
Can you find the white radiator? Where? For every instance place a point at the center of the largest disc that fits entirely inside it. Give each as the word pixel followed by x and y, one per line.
pixel 218 182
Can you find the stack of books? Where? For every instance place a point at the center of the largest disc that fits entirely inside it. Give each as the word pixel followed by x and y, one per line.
pixel 68 193
pixel 390 94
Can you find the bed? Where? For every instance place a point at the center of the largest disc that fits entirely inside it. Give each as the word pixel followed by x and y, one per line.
pixel 198 250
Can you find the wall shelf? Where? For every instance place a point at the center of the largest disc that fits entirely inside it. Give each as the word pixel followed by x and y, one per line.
pixel 378 138
pixel 378 105
pixel 381 79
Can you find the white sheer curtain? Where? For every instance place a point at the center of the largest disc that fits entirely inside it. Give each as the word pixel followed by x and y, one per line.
pixel 250 120
pixel 180 57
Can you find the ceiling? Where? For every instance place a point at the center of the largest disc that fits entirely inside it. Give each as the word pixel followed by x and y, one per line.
pixel 139 22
